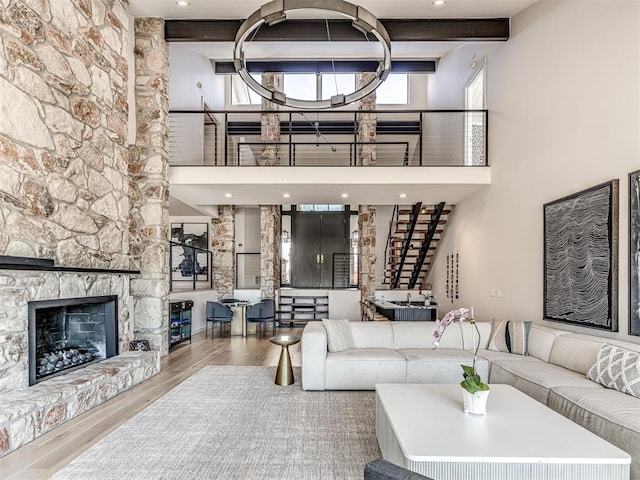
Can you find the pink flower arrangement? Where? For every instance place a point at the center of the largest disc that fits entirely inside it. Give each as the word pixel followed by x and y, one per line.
pixel 471 380
pixel 461 314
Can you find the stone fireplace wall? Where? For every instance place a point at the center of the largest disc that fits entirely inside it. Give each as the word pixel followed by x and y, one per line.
pixel 64 185
pixel 149 185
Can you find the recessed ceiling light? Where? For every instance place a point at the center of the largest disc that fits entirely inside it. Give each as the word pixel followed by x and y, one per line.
pixel 403 195
pixel 285 195
pixel 345 195
pixel 182 3
pixel 438 3
pixel 228 195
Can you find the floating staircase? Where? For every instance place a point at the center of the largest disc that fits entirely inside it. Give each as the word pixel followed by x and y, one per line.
pixel 414 235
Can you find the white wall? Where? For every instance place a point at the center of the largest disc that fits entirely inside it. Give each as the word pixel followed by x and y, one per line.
pixel 199 310
pixel 563 95
pixel 248 229
pixel 455 70
pixel 187 69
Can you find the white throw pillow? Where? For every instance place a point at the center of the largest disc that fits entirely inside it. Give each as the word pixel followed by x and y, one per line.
pixel 339 336
pixel 617 368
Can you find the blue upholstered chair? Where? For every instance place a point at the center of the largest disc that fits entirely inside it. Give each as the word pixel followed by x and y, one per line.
pixel 263 312
pixel 218 313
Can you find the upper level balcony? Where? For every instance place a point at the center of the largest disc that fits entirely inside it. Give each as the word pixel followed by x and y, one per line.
pixel 376 156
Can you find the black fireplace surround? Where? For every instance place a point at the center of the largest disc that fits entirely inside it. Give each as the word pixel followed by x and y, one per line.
pixel 66 334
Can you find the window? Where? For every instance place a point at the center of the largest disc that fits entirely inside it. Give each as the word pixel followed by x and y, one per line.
pixel 320 208
pixel 241 94
pixel 303 86
pixel 394 90
pixel 310 86
pixel 337 83
pixel 474 124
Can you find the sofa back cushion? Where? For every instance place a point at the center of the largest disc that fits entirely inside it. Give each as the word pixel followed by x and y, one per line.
pixel 575 352
pixel 413 334
pixel 470 336
pixel 541 341
pixel 372 334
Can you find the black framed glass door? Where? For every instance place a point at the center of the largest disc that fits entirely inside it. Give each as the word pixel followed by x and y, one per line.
pixel 316 236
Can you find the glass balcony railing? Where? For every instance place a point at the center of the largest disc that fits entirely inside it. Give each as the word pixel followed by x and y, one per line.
pixel 328 138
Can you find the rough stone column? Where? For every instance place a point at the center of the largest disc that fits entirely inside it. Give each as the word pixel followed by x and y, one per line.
pixel 367 251
pixel 223 246
pixel 367 122
pixel 269 250
pixel 270 122
pixel 270 214
pixel 149 185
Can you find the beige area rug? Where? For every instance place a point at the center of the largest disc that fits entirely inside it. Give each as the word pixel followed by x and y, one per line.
pixel 234 423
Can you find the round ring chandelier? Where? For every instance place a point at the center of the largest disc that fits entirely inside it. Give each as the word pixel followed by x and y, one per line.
pixel 276 12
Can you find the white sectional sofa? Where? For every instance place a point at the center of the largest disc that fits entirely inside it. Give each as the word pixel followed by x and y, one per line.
pixel 554 372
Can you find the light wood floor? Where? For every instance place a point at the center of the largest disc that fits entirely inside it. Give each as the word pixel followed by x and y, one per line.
pixel 49 453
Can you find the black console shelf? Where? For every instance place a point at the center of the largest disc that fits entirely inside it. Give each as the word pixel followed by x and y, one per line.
pixel 46 265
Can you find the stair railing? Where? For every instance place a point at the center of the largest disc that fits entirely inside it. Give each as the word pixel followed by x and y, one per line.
pixel 426 244
pixel 406 244
pixel 394 220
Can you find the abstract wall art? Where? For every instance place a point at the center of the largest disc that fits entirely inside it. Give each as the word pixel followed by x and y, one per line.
pixel 634 253
pixel 189 254
pixel 581 258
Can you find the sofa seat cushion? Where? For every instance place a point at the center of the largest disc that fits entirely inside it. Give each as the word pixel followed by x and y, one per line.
pixel 610 414
pixel 362 368
pixel 536 378
pixel 493 356
pixel 443 365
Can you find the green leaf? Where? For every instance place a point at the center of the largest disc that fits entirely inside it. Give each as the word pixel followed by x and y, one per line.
pixel 472 382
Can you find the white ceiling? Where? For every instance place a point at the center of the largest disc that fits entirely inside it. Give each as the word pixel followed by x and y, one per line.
pixel 241 9
pixel 203 188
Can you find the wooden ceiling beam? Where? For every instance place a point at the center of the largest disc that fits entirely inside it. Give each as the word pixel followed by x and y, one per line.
pixel 400 30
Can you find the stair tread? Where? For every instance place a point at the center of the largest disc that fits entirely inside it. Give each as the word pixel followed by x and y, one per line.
pixel 420 222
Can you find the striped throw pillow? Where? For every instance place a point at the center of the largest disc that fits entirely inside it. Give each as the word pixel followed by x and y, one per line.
pixel 510 337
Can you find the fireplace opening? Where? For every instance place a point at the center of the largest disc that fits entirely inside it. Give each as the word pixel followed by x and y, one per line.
pixel 67 334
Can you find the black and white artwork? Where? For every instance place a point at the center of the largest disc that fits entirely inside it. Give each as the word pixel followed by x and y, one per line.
pixel 581 258
pixel 190 256
pixel 634 253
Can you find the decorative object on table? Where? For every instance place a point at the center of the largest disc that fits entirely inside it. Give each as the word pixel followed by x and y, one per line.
pixel 426 292
pixel 139 346
pixel 475 392
pixel 190 261
pixel 634 253
pixel 581 258
pixel 284 373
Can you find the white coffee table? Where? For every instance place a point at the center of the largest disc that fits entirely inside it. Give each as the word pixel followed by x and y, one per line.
pixel 423 428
